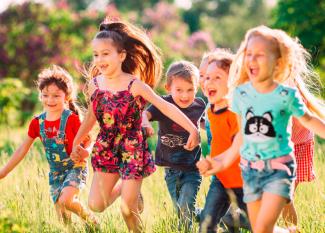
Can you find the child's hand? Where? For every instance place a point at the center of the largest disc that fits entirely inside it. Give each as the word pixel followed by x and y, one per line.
pixel 192 141
pixel 203 166
pixel 149 131
pixel 79 154
pixel 82 153
pixel 215 166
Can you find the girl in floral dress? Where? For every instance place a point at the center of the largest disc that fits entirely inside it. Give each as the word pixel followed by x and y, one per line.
pixel 126 65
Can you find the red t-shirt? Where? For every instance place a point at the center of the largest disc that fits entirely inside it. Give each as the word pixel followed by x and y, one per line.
pixel 224 127
pixel 52 127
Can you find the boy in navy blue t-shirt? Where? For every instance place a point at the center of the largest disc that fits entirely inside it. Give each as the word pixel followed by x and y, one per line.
pixel 182 177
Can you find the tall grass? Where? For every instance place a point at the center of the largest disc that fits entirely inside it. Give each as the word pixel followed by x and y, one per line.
pixel 25 204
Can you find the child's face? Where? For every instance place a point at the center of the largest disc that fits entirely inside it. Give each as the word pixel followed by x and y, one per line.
pixel 106 57
pixel 53 99
pixel 215 84
pixel 182 91
pixel 260 59
pixel 203 68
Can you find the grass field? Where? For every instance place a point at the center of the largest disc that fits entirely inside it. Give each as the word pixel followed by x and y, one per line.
pixel 25 204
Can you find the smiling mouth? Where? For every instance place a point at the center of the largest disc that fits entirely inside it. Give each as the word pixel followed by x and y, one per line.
pixel 212 93
pixel 253 71
pixel 103 66
pixel 51 106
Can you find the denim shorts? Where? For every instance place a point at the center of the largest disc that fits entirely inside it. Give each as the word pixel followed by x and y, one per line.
pixel 269 180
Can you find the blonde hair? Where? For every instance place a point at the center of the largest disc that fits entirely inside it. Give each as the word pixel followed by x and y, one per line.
pixel 184 70
pixel 143 58
pixel 62 79
pixel 293 65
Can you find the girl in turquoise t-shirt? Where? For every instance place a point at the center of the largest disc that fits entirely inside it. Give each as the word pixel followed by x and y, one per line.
pixel 264 107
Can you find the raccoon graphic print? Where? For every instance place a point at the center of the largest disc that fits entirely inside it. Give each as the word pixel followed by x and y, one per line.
pixel 265 118
pixel 259 128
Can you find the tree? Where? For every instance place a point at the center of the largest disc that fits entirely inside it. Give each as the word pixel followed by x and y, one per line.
pixel 304 19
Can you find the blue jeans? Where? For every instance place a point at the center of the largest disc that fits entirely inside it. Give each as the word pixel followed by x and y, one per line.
pixel 183 187
pixel 216 206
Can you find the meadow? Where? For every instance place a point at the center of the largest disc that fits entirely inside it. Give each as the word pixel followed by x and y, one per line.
pixel 25 204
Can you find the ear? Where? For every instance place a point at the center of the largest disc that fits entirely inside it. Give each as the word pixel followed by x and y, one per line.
pixel 167 87
pixel 249 114
pixel 268 116
pixel 122 55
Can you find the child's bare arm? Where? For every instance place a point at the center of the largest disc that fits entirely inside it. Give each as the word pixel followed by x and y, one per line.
pixel 169 110
pixel 313 123
pixel 18 155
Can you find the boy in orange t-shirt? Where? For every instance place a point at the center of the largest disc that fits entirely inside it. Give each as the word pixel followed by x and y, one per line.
pixel 227 186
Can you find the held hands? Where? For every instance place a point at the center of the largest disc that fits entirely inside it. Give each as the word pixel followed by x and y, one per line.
pixel 192 141
pixel 79 154
pixel 209 166
pixel 149 131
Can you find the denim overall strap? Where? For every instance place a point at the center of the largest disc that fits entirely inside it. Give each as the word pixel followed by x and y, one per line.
pixel 41 119
pixel 56 154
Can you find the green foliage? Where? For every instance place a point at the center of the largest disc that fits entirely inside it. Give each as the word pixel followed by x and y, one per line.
pixel 34 36
pixel 304 19
pixel 228 29
pixel 12 92
pixel 10 224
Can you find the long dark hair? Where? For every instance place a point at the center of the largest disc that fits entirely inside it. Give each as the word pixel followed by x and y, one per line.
pixel 143 58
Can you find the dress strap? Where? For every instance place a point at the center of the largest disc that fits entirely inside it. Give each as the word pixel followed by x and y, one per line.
pixel 96 82
pixel 130 84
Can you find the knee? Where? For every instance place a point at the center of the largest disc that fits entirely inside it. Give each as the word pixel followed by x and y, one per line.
pixel 128 209
pixel 65 201
pixel 96 206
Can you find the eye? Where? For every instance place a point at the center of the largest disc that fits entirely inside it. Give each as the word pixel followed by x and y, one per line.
pixel 253 128
pixel 264 129
pixel 44 95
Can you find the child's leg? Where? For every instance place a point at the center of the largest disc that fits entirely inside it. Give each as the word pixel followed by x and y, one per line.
pixel 189 186
pixel 289 214
pixel 68 200
pixel 129 206
pixel 103 191
pixel 63 214
pixel 264 213
pixel 216 205
pixel 173 183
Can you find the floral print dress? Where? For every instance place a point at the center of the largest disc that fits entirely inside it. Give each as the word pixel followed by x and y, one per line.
pixel 120 146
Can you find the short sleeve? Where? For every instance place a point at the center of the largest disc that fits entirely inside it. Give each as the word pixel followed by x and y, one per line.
pixel 235 102
pixel 297 106
pixel 73 124
pixel 33 129
pixel 233 125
